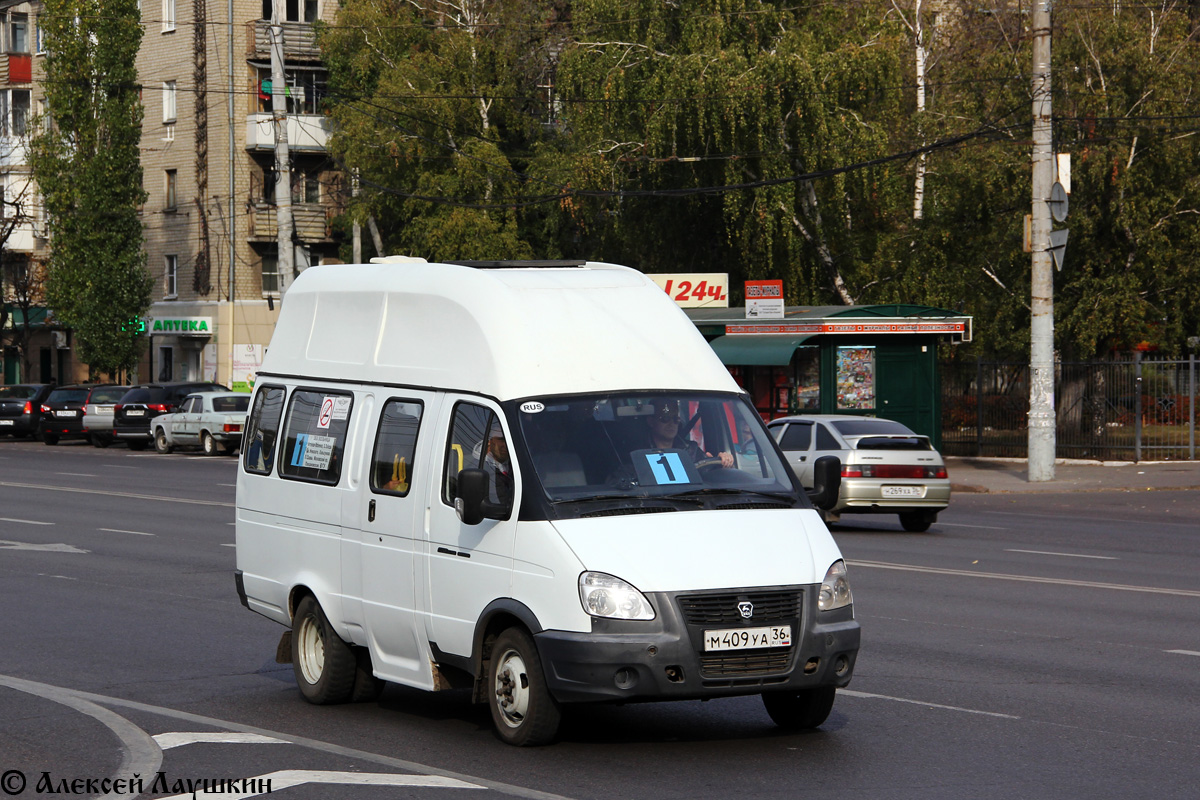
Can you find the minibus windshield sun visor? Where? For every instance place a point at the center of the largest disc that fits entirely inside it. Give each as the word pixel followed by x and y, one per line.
pixel 693 449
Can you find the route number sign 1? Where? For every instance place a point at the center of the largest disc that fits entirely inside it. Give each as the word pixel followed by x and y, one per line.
pixel 695 289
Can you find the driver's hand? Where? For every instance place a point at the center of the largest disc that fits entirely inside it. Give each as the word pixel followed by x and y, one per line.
pixel 726 459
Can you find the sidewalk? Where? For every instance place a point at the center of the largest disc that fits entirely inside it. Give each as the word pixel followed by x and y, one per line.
pixel 1006 475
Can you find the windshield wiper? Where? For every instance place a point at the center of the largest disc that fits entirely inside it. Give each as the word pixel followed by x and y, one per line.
pixel 710 491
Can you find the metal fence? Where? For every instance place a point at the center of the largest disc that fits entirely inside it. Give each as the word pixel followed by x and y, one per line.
pixel 1141 409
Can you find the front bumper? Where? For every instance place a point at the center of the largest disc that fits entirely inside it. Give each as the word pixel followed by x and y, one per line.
pixel 664 658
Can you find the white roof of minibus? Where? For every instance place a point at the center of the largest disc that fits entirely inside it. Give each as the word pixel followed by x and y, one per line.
pixel 509 332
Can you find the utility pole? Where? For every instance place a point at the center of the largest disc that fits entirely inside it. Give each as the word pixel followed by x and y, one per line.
pixel 283 174
pixel 1042 420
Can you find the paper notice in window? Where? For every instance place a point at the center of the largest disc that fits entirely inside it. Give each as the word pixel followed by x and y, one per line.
pixel 318 452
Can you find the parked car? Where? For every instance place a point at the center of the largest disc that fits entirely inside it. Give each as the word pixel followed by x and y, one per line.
pixel 21 407
pixel 98 413
pixel 62 414
pixel 886 468
pixel 212 421
pixel 142 403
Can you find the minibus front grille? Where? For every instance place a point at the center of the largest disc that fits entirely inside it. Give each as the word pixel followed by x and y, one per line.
pixel 725 608
pixel 623 510
pixel 726 506
pixel 758 662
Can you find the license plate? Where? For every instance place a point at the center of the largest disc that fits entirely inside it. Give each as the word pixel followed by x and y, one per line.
pixel 103 410
pixel 903 491
pixel 135 412
pixel 6 422
pixel 748 638
pixel 64 413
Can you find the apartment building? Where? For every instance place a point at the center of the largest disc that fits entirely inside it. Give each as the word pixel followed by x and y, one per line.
pixel 208 155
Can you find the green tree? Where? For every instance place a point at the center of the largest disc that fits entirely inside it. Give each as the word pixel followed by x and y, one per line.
pixel 432 113
pixel 86 163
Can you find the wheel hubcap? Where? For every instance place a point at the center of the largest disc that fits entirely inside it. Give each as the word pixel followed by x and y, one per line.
pixel 311 650
pixel 512 689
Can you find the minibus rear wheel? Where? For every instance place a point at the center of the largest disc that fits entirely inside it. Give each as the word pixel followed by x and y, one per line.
pixel 523 711
pixel 802 710
pixel 323 663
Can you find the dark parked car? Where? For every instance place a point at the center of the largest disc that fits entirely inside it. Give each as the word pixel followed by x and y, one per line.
pixel 21 407
pixel 144 402
pixel 62 414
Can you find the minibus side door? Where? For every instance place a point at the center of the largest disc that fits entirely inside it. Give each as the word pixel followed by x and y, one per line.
pixel 399 466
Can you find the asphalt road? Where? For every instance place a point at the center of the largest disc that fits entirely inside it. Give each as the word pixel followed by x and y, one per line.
pixel 1040 645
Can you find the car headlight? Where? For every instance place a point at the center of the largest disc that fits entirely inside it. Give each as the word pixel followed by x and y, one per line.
pixel 607 596
pixel 835 589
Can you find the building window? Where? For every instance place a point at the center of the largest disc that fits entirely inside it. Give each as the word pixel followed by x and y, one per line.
pixel 39 36
pixel 270 275
pixel 168 15
pixel 305 90
pixel 172 188
pixel 168 100
pixel 166 363
pixel 306 188
pixel 293 10
pixel 20 112
pixel 18 33
pixel 171 277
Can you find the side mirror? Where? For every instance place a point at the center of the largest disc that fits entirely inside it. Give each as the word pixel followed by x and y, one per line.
pixel 469 495
pixel 827 482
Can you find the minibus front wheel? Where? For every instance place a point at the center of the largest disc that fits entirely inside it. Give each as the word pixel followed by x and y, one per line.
pixel 523 711
pixel 324 665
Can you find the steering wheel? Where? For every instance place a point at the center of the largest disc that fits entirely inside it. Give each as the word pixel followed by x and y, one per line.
pixel 708 464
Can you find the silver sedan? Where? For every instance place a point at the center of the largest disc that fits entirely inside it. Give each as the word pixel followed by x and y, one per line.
pixel 886 468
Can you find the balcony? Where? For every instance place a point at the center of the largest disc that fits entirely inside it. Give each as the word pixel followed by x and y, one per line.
pixel 310 219
pixel 299 41
pixel 308 132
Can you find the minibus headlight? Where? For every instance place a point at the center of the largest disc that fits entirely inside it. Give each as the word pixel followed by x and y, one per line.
pixel 835 589
pixel 607 596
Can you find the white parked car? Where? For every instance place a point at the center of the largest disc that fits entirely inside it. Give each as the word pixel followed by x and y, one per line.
pixel 212 421
pixel 886 468
pixel 98 413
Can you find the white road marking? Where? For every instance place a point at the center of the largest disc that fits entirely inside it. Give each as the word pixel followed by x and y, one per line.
pixel 870 696
pixel 40 548
pixel 109 493
pixel 224 544
pixel 961 525
pixel 132 763
pixel 25 521
pixel 234 484
pixel 83 474
pixel 1183 652
pixel 169 740
pixel 1119 587
pixel 285 779
pixel 135 533
pixel 1068 555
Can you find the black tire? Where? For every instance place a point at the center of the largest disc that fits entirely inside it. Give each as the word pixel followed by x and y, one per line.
pixel 915 521
pixel 160 442
pixel 366 686
pixel 137 445
pixel 523 711
pixel 324 665
pixel 802 710
pixel 209 444
pixel 49 438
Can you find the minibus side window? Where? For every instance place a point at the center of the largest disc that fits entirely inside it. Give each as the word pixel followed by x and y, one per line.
pixel 466 448
pixel 392 463
pixel 315 435
pixel 262 430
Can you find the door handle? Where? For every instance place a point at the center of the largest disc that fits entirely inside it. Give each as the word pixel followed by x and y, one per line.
pixel 371 511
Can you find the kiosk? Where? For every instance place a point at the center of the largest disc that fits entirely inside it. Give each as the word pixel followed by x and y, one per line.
pixel 878 360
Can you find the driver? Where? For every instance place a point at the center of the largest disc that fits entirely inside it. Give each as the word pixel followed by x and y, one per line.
pixel 663 433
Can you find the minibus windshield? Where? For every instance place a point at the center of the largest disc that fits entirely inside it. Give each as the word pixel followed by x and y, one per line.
pixel 644 445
